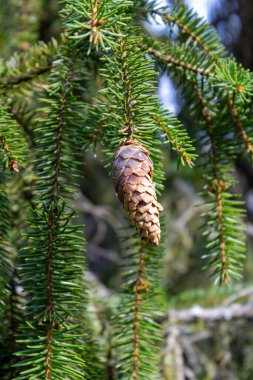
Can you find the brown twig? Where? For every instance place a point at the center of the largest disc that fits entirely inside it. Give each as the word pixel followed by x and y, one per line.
pixel 139 289
pixel 239 126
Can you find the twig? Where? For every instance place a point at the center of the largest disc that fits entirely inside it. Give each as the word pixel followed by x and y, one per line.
pixel 235 311
pixel 25 77
pixel 184 65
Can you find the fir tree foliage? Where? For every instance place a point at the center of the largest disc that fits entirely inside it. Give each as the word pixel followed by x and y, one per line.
pixel 22 67
pixel 55 292
pixel 216 90
pixel 12 142
pixel 95 21
pixel 70 117
pixel 129 106
pixel 4 264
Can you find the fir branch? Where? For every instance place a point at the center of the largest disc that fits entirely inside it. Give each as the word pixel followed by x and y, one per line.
pixel 137 352
pixel 57 283
pixel 227 73
pixel 12 142
pixel 178 137
pixel 30 75
pixel 129 101
pixel 225 254
pixel 54 196
pixel 239 125
pixel 139 288
pixel 4 263
pixel 188 22
pixel 184 65
pixel 49 287
pixel 189 31
pixel 236 80
pixel 55 191
pixel 218 186
pixel 27 66
pixel 221 74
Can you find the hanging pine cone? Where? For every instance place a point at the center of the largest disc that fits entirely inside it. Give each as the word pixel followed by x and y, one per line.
pixel 133 182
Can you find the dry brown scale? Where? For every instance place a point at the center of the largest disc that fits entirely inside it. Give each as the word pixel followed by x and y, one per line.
pixel 133 182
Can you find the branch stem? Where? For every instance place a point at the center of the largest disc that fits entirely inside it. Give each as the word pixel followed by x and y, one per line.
pixel 184 65
pixel 140 287
pixel 239 126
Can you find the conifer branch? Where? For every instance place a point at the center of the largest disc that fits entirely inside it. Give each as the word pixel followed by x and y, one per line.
pixel 95 23
pixel 139 288
pixel 179 139
pixel 49 295
pixel 184 65
pixel 188 31
pixel 4 266
pixel 217 186
pixel 48 351
pixel 11 140
pixel 25 77
pixel 193 26
pixel 12 164
pixel 239 125
pixel 222 212
pixel 27 66
pixel 54 196
pixel 55 191
pixel 224 72
pixel 53 235
pixel 129 101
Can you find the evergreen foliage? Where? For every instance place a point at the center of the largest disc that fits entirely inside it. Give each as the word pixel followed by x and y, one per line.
pixel 97 87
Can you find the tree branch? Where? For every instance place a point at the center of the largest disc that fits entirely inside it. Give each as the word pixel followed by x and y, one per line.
pixel 218 186
pixel 220 313
pixel 184 65
pixel 140 287
pixel 30 75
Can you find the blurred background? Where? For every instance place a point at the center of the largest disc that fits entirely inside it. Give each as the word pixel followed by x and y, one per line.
pixel 218 344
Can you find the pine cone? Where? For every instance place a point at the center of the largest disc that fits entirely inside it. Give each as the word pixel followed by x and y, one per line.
pixel 133 182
